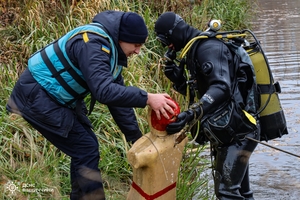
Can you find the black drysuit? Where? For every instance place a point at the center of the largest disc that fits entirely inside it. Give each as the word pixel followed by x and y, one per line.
pixel 212 64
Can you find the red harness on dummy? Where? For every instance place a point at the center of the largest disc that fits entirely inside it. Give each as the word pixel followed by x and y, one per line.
pixel 153 196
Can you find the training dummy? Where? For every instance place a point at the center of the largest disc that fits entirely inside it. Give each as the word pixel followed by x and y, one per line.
pixel 155 160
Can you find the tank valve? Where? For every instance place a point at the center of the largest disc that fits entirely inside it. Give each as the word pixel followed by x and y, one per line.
pixel 214 25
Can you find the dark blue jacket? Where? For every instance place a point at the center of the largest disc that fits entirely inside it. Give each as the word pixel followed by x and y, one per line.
pixel 31 101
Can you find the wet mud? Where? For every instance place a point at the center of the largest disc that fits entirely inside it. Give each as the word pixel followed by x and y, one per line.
pixel 274 174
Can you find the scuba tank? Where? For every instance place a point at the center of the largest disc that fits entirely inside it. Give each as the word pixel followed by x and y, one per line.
pixel 271 115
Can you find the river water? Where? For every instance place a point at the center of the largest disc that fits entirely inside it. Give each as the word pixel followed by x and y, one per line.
pixel 274 174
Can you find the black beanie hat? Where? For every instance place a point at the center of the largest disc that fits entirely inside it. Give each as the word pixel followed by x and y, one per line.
pixel 133 28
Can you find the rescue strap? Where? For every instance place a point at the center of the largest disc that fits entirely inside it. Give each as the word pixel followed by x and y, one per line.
pixel 272 147
pixel 67 67
pixel 153 196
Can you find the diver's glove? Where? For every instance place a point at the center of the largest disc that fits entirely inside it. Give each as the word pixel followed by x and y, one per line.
pixel 195 112
pixel 173 72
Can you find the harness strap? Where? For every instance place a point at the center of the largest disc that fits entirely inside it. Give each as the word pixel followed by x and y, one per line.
pixel 58 78
pixel 267 88
pixel 67 66
pixel 92 104
pixel 153 196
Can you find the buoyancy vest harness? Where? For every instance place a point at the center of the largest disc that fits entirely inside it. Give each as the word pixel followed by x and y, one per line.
pixel 53 70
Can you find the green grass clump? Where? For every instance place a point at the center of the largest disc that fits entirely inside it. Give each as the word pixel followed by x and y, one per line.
pixel 29 160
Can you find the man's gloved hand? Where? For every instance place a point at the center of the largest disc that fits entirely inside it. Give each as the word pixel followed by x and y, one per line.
pixel 195 112
pixel 173 72
pixel 182 119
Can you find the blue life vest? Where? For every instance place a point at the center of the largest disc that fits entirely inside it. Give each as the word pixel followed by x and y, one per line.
pixel 53 70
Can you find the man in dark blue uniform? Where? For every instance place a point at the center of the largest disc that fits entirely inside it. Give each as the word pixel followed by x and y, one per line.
pixel 222 87
pixel 87 60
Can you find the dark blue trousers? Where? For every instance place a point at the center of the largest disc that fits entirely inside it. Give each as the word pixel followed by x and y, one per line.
pixel 83 148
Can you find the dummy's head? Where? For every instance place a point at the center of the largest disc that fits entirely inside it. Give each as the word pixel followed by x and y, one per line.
pixel 160 125
pixel 168 30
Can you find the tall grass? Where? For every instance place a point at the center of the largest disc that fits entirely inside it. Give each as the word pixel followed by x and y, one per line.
pixel 27 160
